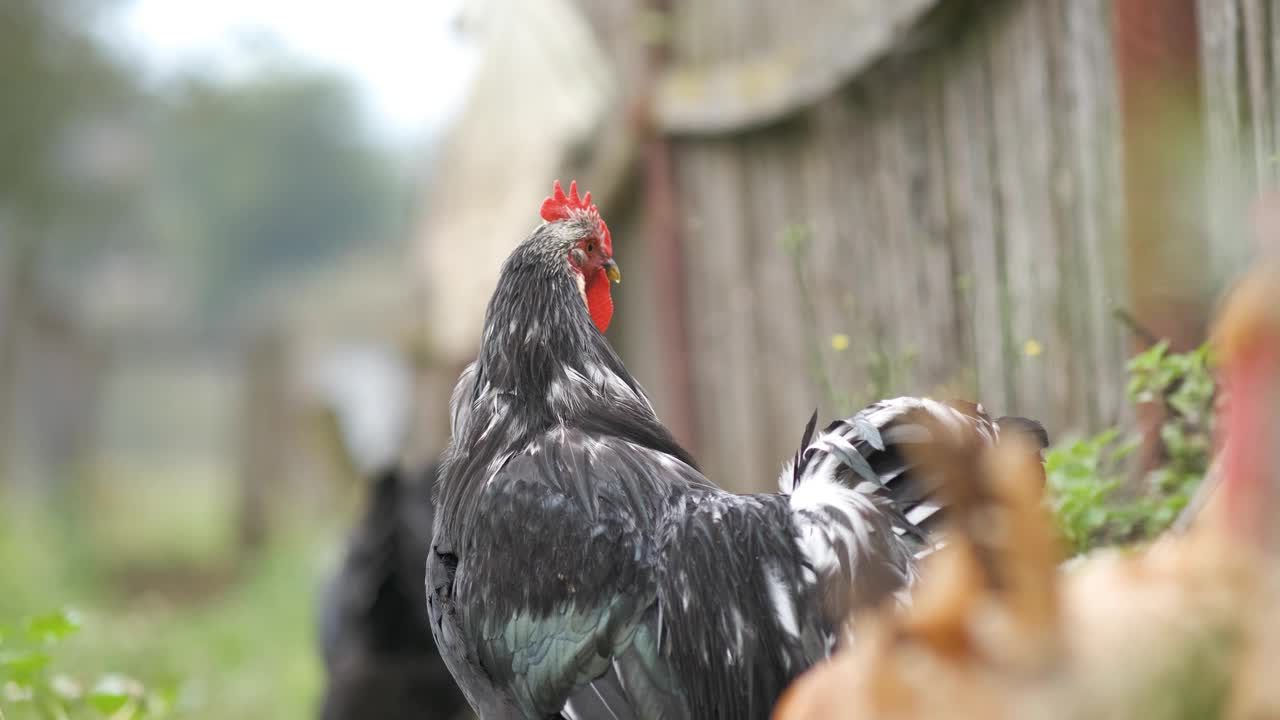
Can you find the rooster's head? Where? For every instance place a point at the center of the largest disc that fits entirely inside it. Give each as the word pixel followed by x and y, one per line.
pixel 576 233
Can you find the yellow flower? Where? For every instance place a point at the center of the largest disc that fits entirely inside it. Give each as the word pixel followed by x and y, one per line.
pixel 839 342
pixel 1032 348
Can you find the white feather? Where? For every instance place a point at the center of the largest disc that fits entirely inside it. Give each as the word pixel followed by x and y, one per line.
pixel 784 606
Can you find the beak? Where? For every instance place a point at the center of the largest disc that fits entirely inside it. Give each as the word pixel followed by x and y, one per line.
pixel 611 269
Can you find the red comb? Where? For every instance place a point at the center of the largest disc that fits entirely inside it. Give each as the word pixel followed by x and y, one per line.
pixel 561 207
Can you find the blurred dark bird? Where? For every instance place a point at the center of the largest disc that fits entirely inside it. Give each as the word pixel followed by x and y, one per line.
pixel 380 659
pixel 583 567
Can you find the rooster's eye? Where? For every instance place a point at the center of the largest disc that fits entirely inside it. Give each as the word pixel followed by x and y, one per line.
pixel 591 246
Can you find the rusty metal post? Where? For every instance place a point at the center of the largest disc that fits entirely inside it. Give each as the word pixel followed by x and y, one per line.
pixel 1158 64
pixel 662 219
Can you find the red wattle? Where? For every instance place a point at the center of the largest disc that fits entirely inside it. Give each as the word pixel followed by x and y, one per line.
pixel 599 301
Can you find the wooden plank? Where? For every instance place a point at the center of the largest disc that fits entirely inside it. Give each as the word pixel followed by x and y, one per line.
pixel 635 331
pixel 956 376
pixel 974 214
pixel 1021 116
pixel 842 260
pixel 828 267
pixel 904 304
pixel 1257 69
pixel 1092 139
pixel 1272 39
pixel 1221 83
pixel 895 314
pixel 723 343
pixel 945 364
pixel 1071 335
pixel 899 298
pixel 774 180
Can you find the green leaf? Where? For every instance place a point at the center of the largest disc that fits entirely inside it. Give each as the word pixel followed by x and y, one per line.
pixel 23 666
pixel 54 627
pixel 1148 359
pixel 112 692
pixel 1083 474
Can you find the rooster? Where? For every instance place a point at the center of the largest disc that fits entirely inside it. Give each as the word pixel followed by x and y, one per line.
pixel 1183 628
pixel 582 565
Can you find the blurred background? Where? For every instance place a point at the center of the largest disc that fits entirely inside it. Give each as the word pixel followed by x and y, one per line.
pixel 245 249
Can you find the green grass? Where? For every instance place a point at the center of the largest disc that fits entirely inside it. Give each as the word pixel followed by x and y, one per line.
pixel 240 645
pixel 248 653
pixel 160 513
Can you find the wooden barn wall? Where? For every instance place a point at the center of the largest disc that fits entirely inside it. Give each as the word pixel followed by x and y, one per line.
pixel 960 202
pixel 962 211
pixel 1240 58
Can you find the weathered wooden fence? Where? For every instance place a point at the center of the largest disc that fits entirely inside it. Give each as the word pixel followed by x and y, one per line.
pixel 1240 60
pixel 896 196
pixel 962 208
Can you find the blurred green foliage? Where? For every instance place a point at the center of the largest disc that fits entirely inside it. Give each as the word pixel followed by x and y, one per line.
pixel 228 183
pixel 242 646
pixel 53 75
pixel 1086 476
pixel 217 189
pixel 33 687
pixel 158 219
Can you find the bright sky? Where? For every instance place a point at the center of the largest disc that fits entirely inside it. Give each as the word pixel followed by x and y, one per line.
pixel 405 57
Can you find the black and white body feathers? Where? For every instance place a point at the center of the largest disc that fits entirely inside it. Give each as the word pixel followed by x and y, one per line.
pixel 583 567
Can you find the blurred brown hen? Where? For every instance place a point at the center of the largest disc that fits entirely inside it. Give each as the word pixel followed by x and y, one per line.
pixel 1180 629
